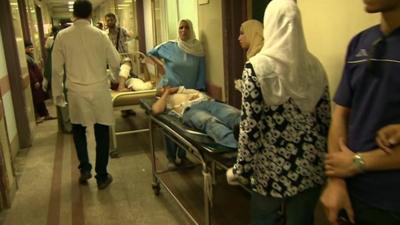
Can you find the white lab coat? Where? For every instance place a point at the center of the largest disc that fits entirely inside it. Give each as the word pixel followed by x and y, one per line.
pixel 85 51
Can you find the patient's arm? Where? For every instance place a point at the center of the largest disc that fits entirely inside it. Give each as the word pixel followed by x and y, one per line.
pixel 158 63
pixel 160 105
pixel 121 84
pixel 123 75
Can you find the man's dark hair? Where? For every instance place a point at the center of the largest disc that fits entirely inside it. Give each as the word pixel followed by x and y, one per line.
pixel 55 29
pixel 28 44
pixel 111 15
pixel 82 9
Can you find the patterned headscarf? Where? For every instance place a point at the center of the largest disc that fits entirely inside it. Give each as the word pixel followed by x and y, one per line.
pixel 253 30
pixel 192 45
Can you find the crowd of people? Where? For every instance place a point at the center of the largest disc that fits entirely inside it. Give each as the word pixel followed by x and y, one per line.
pixel 290 150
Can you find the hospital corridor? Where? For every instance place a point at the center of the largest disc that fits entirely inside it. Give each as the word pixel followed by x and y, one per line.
pixel 199 112
pixel 49 192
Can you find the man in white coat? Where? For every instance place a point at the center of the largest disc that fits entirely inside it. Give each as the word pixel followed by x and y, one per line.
pixel 86 51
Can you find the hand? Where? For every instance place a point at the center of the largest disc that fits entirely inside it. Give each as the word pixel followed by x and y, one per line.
pixel 388 137
pixel 171 90
pixel 37 85
pixel 160 69
pixel 40 64
pixel 239 85
pixel 231 178
pixel 340 164
pixel 122 88
pixel 60 101
pixel 334 198
pixel 44 84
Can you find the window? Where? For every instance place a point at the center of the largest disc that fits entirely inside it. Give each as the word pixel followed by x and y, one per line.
pixel 167 14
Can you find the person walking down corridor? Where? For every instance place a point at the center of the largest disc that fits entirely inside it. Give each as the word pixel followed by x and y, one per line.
pixel 85 51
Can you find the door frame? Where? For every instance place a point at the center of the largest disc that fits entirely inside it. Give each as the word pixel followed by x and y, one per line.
pixel 40 25
pixel 234 13
pixel 18 84
pixel 5 199
pixel 140 25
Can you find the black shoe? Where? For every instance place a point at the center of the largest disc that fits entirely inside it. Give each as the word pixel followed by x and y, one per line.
pixel 184 162
pixel 131 112
pixel 85 175
pixel 102 184
pixel 171 165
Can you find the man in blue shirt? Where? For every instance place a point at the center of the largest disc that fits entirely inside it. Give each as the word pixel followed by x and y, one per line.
pixel 364 177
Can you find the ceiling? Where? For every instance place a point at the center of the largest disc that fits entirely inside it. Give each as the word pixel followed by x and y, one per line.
pixel 60 8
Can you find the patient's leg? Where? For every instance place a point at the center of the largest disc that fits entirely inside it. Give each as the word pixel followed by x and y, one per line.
pixel 227 114
pixel 211 125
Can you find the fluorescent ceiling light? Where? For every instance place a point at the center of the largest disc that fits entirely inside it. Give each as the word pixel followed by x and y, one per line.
pixel 70 3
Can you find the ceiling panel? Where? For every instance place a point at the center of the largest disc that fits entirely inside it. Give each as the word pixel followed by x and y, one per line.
pixel 60 8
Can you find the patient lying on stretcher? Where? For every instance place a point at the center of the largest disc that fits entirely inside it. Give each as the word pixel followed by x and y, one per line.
pixel 127 81
pixel 218 120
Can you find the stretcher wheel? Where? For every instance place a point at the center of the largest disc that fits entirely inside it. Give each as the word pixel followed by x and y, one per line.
pixel 156 189
pixel 114 154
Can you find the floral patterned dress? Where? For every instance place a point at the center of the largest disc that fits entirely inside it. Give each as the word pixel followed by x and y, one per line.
pixel 280 148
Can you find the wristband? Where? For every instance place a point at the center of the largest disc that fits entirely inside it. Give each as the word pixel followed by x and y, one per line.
pixel 359 162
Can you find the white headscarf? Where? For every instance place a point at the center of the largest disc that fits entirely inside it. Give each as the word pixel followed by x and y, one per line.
pixel 192 45
pixel 253 30
pixel 284 66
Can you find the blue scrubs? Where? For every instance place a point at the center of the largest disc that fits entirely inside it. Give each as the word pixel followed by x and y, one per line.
pixel 182 69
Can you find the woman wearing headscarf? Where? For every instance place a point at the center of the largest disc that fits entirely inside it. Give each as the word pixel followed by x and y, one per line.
pixel 251 37
pixel 183 58
pixel 251 40
pixel 184 64
pixel 284 123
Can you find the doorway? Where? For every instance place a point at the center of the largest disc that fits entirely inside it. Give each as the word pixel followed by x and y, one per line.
pixel 233 14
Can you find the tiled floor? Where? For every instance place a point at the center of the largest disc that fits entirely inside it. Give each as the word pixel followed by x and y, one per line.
pixel 50 194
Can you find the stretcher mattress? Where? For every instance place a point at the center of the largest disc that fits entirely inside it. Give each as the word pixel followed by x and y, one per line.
pixel 129 98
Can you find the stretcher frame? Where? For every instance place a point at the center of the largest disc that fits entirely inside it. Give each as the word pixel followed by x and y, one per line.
pixel 204 156
pixel 190 148
pixel 127 100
